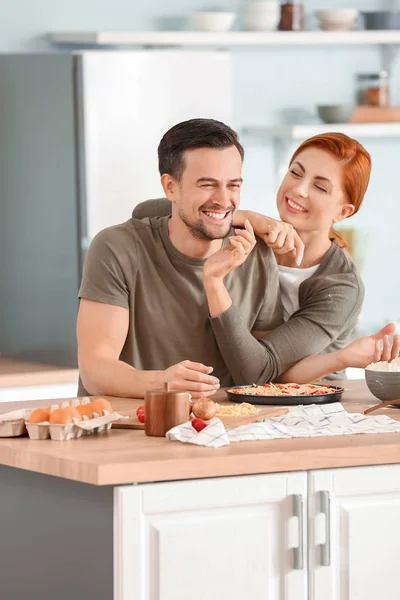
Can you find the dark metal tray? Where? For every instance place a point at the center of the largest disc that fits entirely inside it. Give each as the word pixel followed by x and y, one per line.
pixel 285 400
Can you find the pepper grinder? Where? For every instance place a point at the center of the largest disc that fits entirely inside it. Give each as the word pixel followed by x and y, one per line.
pixel 165 409
pixel 292 16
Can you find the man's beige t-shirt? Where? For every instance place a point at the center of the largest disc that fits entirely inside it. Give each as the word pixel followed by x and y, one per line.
pixel 134 265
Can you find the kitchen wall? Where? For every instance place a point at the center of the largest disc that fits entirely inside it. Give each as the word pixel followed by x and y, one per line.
pixel 269 82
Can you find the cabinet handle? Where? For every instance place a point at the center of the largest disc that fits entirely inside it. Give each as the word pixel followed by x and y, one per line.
pixel 298 505
pixel 325 505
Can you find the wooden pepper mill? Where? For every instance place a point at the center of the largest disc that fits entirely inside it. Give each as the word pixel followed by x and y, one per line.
pixel 165 409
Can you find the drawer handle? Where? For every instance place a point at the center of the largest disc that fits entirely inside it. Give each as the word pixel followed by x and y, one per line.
pixel 298 507
pixel 325 505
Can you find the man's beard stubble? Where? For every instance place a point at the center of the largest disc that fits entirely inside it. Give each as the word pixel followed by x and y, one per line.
pixel 199 230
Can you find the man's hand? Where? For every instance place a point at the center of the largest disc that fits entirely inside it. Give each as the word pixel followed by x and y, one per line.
pixel 373 348
pixel 219 264
pixel 191 377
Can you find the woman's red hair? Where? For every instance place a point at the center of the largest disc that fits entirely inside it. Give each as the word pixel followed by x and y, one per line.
pixel 356 168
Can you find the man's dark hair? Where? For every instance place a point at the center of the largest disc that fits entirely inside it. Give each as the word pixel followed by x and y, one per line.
pixel 195 133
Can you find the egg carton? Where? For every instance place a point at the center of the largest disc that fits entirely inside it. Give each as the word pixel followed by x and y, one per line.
pixel 12 424
pixel 15 423
pixel 70 431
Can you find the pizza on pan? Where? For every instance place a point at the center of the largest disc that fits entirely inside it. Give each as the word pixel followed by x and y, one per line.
pixel 283 389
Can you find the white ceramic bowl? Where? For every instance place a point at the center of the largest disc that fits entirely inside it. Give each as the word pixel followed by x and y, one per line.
pixel 342 15
pixel 331 26
pixel 213 21
pixel 261 21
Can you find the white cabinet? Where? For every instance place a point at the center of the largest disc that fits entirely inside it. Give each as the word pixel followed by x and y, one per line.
pixel 358 539
pixel 233 537
pixel 244 538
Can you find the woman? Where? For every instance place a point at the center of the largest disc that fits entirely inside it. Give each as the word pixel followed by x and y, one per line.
pixel 322 297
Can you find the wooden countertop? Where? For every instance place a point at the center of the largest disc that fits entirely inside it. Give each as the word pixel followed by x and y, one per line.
pixel 19 373
pixel 128 456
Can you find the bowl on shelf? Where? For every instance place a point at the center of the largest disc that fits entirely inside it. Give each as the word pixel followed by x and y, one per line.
pixel 335 113
pixel 261 16
pixel 260 22
pixel 384 385
pixel 382 19
pixel 217 21
pixel 343 19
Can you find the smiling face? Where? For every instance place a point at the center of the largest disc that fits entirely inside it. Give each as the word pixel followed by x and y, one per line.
pixel 208 192
pixel 311 195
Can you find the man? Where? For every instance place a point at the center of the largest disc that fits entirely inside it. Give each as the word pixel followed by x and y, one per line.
pixel 144 317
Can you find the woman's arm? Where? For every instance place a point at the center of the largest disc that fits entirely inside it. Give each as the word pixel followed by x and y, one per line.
pixel 281 237
pixel 325 314
pixel 160 207
pixel 359 353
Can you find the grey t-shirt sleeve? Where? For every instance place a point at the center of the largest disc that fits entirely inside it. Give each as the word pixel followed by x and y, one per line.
pixel 161 207
pixel 332 307
pixel 245 357
pixel 103 277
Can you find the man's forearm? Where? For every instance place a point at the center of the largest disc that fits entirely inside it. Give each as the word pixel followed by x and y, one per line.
pixel 218 297
pixel 314 367
pixel 113 377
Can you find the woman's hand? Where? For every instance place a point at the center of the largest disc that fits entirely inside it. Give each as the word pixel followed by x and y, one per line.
pixel 373 348
pixel 218 265
pixel 281 237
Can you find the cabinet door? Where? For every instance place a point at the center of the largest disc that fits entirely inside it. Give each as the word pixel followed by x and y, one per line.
pixel 354 533
pixel 214 539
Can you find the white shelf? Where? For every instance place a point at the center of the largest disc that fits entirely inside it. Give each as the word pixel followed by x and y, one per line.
pixel 228 39
pixel 300 132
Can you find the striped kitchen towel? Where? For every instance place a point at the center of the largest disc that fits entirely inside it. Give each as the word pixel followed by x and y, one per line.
pixel 301 421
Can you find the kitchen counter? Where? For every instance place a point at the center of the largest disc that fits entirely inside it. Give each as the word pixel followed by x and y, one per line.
pixel 129 456
pixel 18 373
pixel 192 514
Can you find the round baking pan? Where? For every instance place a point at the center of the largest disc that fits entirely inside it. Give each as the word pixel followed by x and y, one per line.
pixel 335 396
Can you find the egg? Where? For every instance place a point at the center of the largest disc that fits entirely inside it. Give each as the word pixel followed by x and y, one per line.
pixel 39 415
pixel 102 404
pixel 87 409
pixel 62 416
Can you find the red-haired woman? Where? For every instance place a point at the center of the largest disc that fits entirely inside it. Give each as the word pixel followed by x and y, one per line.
pixel 322 296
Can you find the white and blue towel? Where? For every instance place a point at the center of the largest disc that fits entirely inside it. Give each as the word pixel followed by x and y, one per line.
pixel 301 421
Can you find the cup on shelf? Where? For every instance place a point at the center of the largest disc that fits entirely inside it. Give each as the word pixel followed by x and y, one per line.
pixel 261 15
pixel 216 21
pixel 383 19
pixel 335 113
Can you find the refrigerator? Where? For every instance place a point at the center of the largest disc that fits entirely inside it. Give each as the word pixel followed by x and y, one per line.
pixel 78 150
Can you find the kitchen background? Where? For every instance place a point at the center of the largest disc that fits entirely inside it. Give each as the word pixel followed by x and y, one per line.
pixel 271 85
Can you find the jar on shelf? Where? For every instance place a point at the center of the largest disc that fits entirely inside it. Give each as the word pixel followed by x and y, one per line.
pixel 374 89
pixel 292 16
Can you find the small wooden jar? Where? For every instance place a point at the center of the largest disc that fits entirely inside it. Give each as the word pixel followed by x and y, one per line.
pixel 165 409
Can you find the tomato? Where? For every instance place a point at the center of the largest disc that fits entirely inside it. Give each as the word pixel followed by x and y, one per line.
pixel 141 416
pixel 198 424
pixel 140 409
